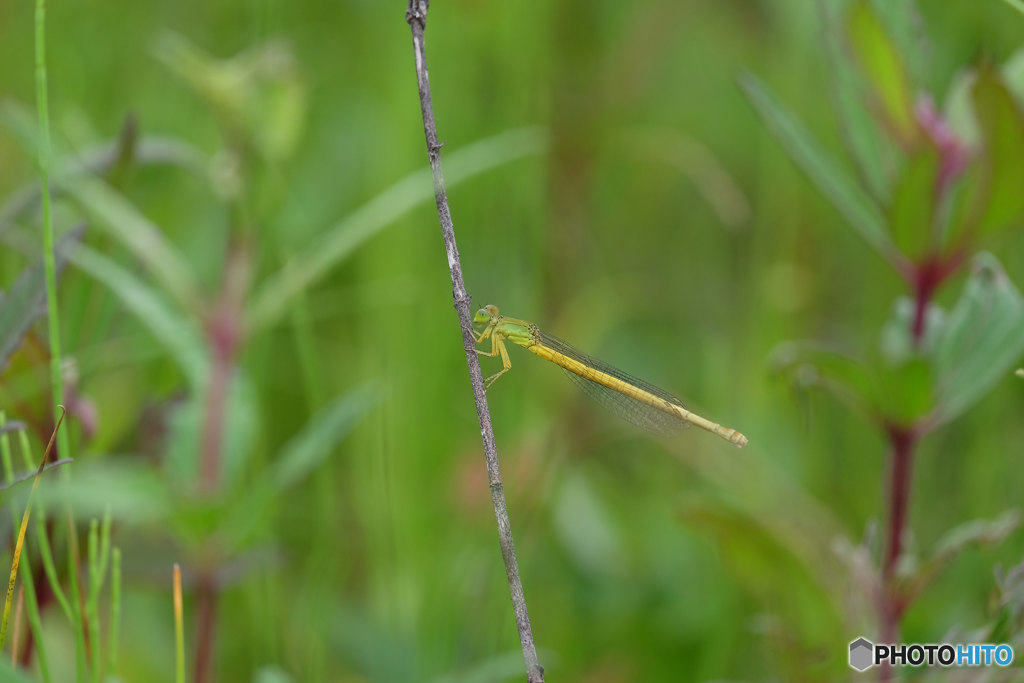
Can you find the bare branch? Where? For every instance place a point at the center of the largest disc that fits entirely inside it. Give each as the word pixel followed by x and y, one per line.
pixel 416 16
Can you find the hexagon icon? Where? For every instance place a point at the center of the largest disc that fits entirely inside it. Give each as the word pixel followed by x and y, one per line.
pixel 861 651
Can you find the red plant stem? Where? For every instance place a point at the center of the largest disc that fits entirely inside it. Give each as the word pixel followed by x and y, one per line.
pixel 213 428
pixel 891 604
pixel 224 336
pixel 213 435
pixel 927 277
pixel 206 599
pixel 902 442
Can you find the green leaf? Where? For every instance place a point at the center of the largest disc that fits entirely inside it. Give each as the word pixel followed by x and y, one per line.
pixel 586 529
pixel 904 25
pixel 339 241
pixel 908 391
pixel 753 552
pixel 852 202
pixel 1009 597
pixel 912 210
pixel 145 240
pixel 1001 199
pixel 896 341
pixel 809 363
pixel 299 457
pixel 980 532
pixel 373 649
pixel 899 387
pixel 959 110
pixel 860 130
pixel 1013 74
pixel 26 299
pixel 905 368
pixel 111 211
pixel 959 107
pixel 99 159
pixel 132 492
pixel 258 94
pixel 9 674
pixel 240 425
pixel 1016 4
pixel 768 549
pixel 175 331
pixel 981 341
pixel 884 71
pixel 304 453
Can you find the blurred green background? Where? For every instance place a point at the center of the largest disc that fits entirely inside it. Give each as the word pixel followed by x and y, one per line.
pixel 632 203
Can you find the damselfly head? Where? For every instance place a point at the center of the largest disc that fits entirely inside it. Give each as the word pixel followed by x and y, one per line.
pixel 485 315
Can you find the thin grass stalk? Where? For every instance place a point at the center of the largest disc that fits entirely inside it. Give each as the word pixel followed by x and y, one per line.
pixel 50 269
pixel 5 451
pixel 32 610
pixel 34 621
pixel 20 543
pixel 104 559
pixel 26 452
pixel 93 548
pixel 49 259
pixel 43 538
pixel 77 605
pixel 179 629
pixel 19 610
pixel 50 569
pixel 92 601
pixel 115 610
pixel 28 583
pixel 8 466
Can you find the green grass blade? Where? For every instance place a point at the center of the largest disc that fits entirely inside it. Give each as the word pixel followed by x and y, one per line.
pixel 115 610
pixel 173 330
pixel 145 240
pixel 844 194
pixel 299 457
pixel 307 450
pixel 92 606
pixel 25 300
pixel 305 268
pixel 43 538
pixel 179 628
pixel 34 621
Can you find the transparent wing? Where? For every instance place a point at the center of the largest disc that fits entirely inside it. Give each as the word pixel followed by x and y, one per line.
pixel 626 407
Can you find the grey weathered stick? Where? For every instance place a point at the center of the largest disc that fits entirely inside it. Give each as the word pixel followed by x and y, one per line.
pixel 416 16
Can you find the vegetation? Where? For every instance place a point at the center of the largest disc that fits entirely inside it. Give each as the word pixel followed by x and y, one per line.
pixel 254 339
